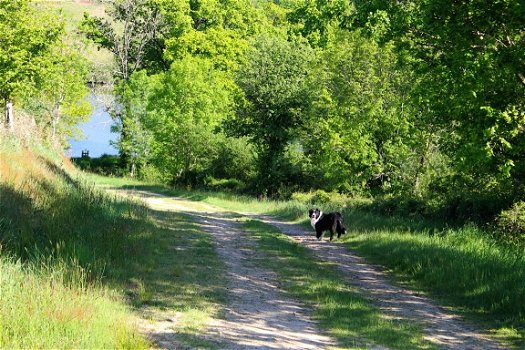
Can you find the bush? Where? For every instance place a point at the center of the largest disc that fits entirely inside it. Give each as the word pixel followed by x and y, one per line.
pixel 321 197
pixel 399 206
pixel 511 223
pixel 230 185
pixel 151 174
pixel 105 165
pixel 313 198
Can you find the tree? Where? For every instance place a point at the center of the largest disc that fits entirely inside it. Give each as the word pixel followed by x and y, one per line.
pixel 362 131
pixel 187 104
pixel 470 57
pixel 133 98
pixel 320 20
pixel 61 101
pixel 27 37
pixel 218 30
pixel 134 34
pixel 278 90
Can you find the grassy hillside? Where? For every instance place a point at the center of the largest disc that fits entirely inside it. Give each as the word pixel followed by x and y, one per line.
pixel 58 237
pixel 76 263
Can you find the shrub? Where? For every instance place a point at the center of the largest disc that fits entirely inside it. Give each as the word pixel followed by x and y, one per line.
pixel 230 185
pixel 321 197
pixel 511 223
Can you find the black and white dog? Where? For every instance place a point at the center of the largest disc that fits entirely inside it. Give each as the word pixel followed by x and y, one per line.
pixel 324 222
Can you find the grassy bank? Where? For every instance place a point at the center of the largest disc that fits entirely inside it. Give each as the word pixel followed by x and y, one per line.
pixel 60 240
pixel 77 262
pixel 464 268
pixel 53 307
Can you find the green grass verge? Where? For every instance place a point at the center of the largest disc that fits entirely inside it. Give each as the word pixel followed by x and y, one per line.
pixel 59 240
pixel 463 268
pixel 341 310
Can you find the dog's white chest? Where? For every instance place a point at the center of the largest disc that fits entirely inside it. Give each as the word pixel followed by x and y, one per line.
pixel 314 220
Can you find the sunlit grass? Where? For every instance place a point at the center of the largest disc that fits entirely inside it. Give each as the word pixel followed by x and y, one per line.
pixel 61 241
pixel 42 308
pixel 464 268
pixel 224 200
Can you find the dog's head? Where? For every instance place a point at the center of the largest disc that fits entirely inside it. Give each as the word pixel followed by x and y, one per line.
pixel 314 213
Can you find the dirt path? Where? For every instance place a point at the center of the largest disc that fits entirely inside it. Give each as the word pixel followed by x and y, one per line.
pixel 441 327
pixel 260 316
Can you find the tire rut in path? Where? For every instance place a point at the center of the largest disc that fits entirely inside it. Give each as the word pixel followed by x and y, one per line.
pixel 441 327
pixel 259 316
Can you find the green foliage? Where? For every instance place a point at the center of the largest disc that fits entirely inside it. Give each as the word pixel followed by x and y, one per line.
pixel 278 89
pixel 61 102
pixel 130 114
pixel 363 128
pixel 511 223
pixel 40 70
pixel 28 36
pixel 105 165
pixel 467 55
pixel 418 103
pixel 134 32
pixel 320 197
pixel 231 185
pixel 319 20
pixel 210 29
pixel 186 107
pixel 235 158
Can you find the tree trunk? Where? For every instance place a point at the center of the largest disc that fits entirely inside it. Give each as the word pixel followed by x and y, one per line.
pixel 55 122
pixel 9 121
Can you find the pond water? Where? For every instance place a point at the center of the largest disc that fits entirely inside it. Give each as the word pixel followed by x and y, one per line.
pixel 97 134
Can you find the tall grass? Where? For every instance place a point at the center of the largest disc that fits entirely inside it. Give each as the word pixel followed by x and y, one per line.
pixel 60 240
pixel 47 307
pixel 465 268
